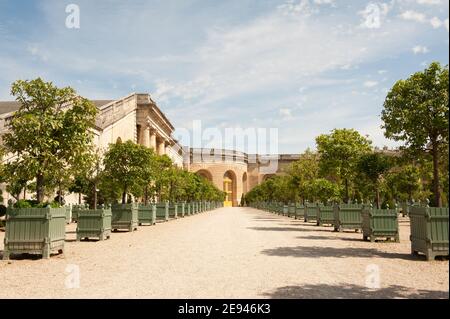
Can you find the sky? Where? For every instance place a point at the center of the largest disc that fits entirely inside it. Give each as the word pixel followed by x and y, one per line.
pixel 301 67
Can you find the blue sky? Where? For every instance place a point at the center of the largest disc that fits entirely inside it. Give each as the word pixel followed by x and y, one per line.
pixel 304 67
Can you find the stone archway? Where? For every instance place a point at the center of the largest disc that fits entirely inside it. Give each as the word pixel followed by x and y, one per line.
pixel 230 188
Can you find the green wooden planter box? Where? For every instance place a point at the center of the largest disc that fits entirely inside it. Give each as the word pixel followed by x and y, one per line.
pixel 291 210
pixel 325 215
pixel 162 211
pixel 181 209
pixel 299 211
pixel 406 207
pixel 188 208
pixel 429 231
pixel 380 223
pixel 68 214
pixel 94 223
pixel 34 231
pixel 147 215
pixel 75 210
pixel 277 208
pixel 348 216
pixel 173 211
pixel 125 216
pixel 284 210
pixel 311 212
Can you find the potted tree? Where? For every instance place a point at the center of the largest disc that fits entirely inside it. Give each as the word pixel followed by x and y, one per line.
pixel 380 223
pixel 93 221
pixel 429 231
pixel 49 138
pixel 126 164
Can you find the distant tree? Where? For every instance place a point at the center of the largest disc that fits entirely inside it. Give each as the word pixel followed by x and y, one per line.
pixel 125 165
pixel 416 111
pixel 373 166
pixel 162 178
pixel 322 190
pixel 304 170
pixel 50 134
pixel 339 154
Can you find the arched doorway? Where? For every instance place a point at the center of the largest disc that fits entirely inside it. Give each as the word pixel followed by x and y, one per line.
pixel 229 187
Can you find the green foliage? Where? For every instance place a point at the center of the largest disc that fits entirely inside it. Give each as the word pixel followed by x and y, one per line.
pixel 137 170
pixel 416 112
pixel 371 168
pixel 51 134
pixel 339 154
pixel 35 204
pixel 125 168
pixel 322 190
pixel 23 204
pixel 374 166
pixel 304 171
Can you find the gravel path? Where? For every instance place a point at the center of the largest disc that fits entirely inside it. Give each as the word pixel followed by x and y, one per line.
pixel 229 253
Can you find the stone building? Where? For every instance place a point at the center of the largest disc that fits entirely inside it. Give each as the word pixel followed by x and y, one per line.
pixel 136 117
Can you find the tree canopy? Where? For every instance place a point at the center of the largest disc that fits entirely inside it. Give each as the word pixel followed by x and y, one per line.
pixel 416 112
pixel 50 135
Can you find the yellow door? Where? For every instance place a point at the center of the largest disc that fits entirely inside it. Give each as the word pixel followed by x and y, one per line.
pixel 228 189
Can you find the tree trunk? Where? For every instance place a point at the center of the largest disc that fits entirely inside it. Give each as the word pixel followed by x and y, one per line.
pixel 346 191
pixel 40 187
pixel 79 198
pixel 59 194
pixel 146 196
pixel 436 187
pixel 95 195
pixel 124 197
pixel 378 197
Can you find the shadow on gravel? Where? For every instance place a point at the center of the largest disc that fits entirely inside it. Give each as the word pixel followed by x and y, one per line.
pixel 329 238
pixel 25 256
pixel 293 228
pixel 352 292
pixel 275 228
pixel 320 252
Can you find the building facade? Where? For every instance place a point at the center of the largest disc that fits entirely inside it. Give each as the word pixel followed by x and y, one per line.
pixel 136 117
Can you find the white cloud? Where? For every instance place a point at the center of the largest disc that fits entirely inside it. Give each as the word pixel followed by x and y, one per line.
pixel 382 72
pixel 413 16
pixel 419 49
pixel 374 14
pixel 286 113
pixel 370 84
pixel 446 24
pixel 436 23
pixel 37 52
pixel 429 2
pixel 319 2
